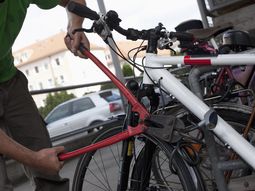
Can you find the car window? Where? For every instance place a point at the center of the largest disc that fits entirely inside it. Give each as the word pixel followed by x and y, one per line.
pixel 110 96
pixel 82 105
pixel 59 113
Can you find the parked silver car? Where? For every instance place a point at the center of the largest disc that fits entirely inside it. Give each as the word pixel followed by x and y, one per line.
pixel 80 113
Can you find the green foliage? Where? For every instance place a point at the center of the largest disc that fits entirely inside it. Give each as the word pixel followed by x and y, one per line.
pixel 107 86
pixel 127 70
pixel 86 93
pixel 52 100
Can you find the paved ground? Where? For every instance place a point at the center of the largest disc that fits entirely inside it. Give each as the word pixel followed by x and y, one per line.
pixel 67 172
pixel 80 139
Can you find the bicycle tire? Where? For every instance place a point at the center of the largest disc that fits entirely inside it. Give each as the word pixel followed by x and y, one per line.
pixel 234 114
pixel 188 176
pixel 88 166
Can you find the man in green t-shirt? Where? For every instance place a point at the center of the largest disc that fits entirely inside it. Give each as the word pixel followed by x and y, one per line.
pixel 29 141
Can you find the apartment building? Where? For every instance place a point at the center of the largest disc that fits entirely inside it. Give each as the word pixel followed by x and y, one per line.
pixel 49 64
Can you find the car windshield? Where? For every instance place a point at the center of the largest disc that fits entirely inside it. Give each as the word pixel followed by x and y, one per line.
pixel 110 96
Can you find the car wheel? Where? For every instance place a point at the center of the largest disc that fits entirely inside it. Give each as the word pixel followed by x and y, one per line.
pixel 96 128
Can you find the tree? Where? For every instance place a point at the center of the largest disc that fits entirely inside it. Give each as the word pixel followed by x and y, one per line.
pixel 107 86
pixel 127 70
pixel 52 100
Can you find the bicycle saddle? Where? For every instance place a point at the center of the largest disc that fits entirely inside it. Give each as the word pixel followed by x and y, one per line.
pixel 207 33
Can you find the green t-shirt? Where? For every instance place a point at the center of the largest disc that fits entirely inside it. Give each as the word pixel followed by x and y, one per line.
pixel 12 15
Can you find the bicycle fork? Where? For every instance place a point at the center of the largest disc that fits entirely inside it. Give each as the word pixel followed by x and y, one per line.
pixel 143 168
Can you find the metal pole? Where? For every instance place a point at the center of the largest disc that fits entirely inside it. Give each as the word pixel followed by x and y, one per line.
pixel 204 13
pixel 115 59
pixel 202 10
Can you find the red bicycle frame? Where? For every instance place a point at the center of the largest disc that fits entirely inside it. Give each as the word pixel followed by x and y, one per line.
pixel 220 79
pixel 136 107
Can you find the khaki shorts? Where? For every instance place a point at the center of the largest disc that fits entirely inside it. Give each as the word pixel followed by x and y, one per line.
pixel 20 118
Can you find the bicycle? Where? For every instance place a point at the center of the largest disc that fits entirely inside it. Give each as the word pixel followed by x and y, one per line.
pixel 161 132
pixel 222 86
pixel 225 81
pixel 220 90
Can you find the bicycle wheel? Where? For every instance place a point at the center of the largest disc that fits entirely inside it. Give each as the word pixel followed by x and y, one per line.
pixel 178 176
pixel 100 170
pixel 237 116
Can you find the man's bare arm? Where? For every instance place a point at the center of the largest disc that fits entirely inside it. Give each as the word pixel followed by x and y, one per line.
pixel 73 40
pixel 45 160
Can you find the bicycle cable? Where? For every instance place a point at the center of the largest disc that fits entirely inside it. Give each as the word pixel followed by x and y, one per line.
pixel 161 94
pixel 134 64
pixel 120 54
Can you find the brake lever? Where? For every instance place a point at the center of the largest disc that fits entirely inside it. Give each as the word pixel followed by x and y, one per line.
pixel 101 28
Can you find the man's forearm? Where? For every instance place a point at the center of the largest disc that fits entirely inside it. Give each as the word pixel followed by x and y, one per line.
pixel 14 150
pixel 65 2
pixel 74 21
pixel 45 160
pixel 74 40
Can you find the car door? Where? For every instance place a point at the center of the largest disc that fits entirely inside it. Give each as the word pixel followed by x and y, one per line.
pixel 58 120
pixel 81 111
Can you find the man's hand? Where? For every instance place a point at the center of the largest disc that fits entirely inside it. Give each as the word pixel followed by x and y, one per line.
pixel 47 162
pixel 74 39
pixel 73 42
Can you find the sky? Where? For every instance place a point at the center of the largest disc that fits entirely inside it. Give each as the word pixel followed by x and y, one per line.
pixel 139 14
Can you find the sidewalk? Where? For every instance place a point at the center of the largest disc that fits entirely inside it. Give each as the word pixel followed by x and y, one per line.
pixel 66 172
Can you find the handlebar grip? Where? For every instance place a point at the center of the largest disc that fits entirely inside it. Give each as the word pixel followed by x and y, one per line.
pixel 182 36
pixel 82 10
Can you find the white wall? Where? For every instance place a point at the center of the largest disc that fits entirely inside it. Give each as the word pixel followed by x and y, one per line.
pixel 71 70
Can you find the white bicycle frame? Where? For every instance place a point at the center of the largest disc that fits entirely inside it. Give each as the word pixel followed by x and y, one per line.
pixel 170 83
pixel 223 130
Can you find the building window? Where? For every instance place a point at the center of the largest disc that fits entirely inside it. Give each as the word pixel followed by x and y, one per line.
pixel 61 79
pixel 57 61
pixel 46 66
pixel 108 57
pixel 36 69
pixel 27 72
pixel 40 85
pixel 24 56
pixel 30 87
pixel 16 61
pixel 50 82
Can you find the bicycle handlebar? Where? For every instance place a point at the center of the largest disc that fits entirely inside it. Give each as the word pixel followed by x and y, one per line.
pixel 82 11
pixel 105 24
